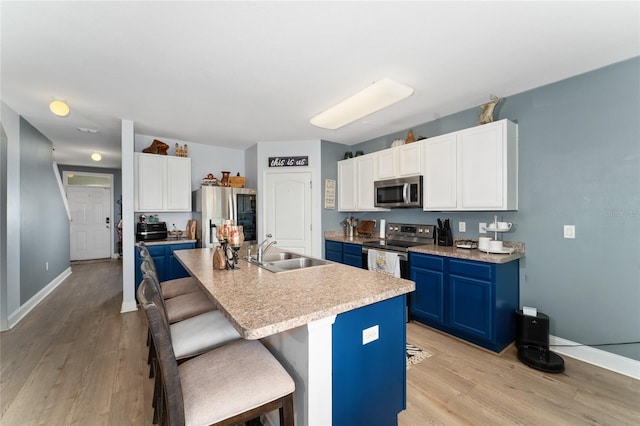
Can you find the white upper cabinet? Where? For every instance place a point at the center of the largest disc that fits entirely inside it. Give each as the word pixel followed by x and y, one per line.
pixel 439 181
pixel 386 163
pixel 162 183
pixel 403 160
pixel 488 167
pixel 474 169
pixel 178 184
pixel 410 159
pixel 355 184
pixel 347 185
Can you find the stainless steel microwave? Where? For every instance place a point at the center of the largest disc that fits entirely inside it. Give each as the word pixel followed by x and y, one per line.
pixel 402 192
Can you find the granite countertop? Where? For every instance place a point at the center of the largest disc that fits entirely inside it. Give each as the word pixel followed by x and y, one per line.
pixel 261 303
pixel 451 251
pixel 169 241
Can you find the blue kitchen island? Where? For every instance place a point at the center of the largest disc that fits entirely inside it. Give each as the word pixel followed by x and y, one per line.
pixel 339 331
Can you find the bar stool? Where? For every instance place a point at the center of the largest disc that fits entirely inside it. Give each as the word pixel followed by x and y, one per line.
pixel 191 337
pixel 183 306
pixel 231 384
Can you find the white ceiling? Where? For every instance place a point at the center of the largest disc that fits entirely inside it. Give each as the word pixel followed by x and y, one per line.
pixel 235 73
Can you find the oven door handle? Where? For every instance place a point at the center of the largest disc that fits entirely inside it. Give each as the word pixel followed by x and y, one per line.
pixel 401 255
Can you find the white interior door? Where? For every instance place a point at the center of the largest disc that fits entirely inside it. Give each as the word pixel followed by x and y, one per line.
pixel 90 222
pixel 288 210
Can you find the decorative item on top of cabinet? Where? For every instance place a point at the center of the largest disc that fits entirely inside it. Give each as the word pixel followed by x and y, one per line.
pixel 156 147
pixel 237 181
pixel 410 137
pixel 486 116
pixel 182 151
pixel 225 179
pixel 210 180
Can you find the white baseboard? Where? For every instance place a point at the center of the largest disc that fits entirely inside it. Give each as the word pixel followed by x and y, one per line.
pixel 610 361
pixel 23 310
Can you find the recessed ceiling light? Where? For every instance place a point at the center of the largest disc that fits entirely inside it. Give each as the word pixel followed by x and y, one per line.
pixel 96 156
pixel 59 108
pixel 379 95
pixel 87 130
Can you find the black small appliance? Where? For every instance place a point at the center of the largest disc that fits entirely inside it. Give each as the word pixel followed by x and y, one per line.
pixel 146 231
pixel 532 341
pixel 445 237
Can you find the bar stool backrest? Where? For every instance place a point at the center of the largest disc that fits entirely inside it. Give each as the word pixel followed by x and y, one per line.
pixel 173 398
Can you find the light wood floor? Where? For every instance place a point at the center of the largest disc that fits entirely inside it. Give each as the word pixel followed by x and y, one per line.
pixel 76 360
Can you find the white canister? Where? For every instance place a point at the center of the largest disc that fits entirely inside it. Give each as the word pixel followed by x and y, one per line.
pixel 483 243
pixel 383 225
pixel 495 245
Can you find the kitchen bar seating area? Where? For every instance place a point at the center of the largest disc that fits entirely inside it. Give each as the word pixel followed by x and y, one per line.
pixel 226 380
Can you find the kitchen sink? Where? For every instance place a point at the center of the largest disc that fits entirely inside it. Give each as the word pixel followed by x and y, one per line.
pixel 287 261
pixel 275 257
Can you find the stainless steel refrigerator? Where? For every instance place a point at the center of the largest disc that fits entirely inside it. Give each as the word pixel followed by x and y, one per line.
pixel 213 204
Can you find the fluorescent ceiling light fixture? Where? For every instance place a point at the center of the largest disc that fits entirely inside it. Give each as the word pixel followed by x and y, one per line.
pixel 59 108
pixel 379 95
pixel 96 156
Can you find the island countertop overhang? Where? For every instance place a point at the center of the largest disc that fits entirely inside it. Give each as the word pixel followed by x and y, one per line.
pixel 261 303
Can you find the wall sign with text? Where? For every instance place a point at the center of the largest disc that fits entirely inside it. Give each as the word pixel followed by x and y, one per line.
pixel 289 161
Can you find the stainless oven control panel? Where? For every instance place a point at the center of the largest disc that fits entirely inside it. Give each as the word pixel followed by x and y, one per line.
pixel 404 230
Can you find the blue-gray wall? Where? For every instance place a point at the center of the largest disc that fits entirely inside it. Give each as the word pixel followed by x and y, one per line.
pixel 44 224
pixel 579 164
pixel 330 154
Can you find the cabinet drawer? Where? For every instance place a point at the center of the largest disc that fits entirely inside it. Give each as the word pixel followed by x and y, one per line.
pixel 478 270
pixel 354 249
pixel 157 250
pixel 333 246
pixel 425 261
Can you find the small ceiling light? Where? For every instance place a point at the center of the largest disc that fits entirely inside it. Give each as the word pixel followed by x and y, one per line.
pixel 59 108
pixel 379 95
pixel 96 156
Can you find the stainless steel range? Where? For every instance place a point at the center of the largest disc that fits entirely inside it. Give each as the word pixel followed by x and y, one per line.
pixel 399 237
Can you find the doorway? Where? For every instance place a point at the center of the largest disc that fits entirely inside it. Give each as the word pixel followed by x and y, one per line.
pixel 90 199
pixel 288 207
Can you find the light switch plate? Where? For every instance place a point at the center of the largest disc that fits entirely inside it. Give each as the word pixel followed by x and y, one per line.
pixel 481 227
pixel 462 226
pixel 370 334
pixel 569 231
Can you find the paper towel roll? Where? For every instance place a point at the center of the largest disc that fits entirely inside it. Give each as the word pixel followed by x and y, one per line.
pixel 383 226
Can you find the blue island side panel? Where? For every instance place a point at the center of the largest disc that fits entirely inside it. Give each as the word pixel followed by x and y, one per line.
pixel 369 381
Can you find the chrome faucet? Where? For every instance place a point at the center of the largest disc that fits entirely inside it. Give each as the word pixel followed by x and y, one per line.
pixel 262 251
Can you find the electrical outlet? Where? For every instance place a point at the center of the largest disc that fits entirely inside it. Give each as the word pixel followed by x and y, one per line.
pixel 370 334
pixel 569 231
pixel 481 227
pixel 462 226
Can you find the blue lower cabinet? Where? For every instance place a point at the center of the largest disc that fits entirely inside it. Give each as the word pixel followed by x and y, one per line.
pixel 167 266
pixel 352 254
pixel 471 300
pixel 333 251
pixel 349 254
pixel 369 380
pixel 428 299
